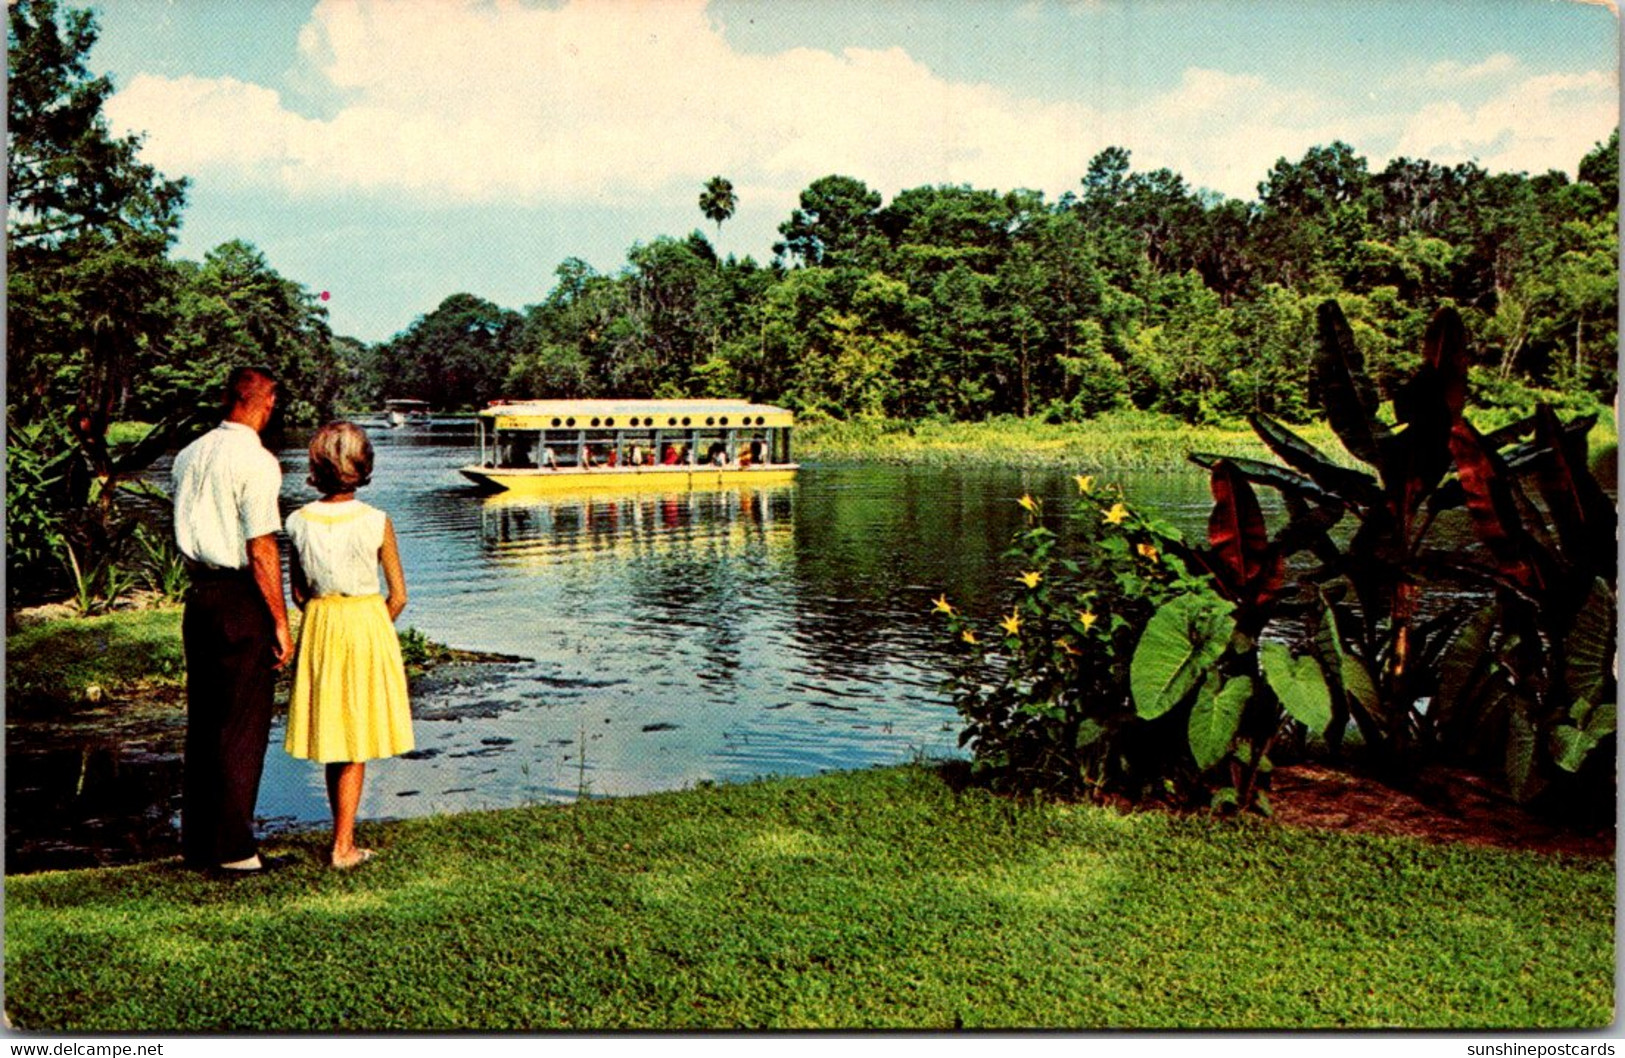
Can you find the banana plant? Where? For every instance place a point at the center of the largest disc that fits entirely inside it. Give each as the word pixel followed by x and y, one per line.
pixel 1529 684
pixel 1499 652
pixel 1203 651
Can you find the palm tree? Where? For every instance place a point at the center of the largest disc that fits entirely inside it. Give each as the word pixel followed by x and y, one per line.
pixel 718 201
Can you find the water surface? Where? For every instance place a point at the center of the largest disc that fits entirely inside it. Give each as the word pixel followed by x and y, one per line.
pixel 668 639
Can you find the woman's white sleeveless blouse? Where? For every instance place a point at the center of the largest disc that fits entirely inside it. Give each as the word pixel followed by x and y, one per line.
pixel 338 546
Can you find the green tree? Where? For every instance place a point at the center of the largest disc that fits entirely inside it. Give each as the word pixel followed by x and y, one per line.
pixel 718 201
pixel 457 356
pixel 88 227
pixel 673 322
pixel 235 309
pixel 834 225
pixel 1311 213
pixel 87 230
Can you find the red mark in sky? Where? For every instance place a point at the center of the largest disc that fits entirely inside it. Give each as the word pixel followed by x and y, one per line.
pixel 325 295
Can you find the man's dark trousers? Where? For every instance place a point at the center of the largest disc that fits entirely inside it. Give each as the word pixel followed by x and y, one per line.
pixel 230 643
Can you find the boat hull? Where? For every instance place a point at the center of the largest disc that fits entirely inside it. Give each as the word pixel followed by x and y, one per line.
pixel 654 479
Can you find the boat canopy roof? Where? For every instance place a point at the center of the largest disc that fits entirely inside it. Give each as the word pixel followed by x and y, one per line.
pixel 405 403
pixel 634 414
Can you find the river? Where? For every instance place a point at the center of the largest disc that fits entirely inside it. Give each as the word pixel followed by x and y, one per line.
pixel 668 640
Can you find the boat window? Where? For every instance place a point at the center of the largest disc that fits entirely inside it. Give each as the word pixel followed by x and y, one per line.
pixel 518 448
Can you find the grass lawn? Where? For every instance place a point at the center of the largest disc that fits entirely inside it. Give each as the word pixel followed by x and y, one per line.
pixel 874 899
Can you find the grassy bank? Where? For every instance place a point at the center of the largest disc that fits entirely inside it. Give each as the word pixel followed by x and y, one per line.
pixel 59 658
pixel 1119 441
pixel 863 900
pixel 74 661
pixel 1122 441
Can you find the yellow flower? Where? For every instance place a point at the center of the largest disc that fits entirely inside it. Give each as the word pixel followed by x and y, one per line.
pixel 1147 551
pixel 1085 482
pixel 1029 503
pixel 968 636
pixel 1012 624
pixel 1066 645
pixel 1030 579
pixel 943 605
pixel 1087 619
pixel 1116 515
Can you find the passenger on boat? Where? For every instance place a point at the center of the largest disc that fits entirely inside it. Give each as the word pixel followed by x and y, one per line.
pixel 518 455
pixel 670 458
pixel 757 452
pixel 550 458
pixel 717 456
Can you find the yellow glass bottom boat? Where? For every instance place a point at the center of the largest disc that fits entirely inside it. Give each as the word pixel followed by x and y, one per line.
pixel 654 479
pixel 557 446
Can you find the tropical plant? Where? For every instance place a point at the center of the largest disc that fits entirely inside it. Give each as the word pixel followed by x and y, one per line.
pixel 1045 695
pixel 1424 665
pixel 1125 670
pixel 163 567
pixel 38 463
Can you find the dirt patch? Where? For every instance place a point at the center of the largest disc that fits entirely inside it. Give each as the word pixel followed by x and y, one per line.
pixel 1447 806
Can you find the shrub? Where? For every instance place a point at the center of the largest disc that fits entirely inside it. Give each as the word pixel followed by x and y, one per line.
pixel 1124 670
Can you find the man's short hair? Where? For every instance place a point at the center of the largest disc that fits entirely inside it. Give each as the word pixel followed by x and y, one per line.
pixel 244 381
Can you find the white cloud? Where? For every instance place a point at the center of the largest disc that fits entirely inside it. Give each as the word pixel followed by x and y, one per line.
pixel 1540 122
pixel 501 101
pixel 1450 72
pixel 609 101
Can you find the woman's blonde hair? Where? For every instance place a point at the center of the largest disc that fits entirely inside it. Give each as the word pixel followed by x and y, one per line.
pixel 340 458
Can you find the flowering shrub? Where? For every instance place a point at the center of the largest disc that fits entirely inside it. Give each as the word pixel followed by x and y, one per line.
pixel 1045 691
pixel 1128 669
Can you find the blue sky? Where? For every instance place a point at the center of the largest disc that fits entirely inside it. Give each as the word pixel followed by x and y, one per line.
pixel 395 153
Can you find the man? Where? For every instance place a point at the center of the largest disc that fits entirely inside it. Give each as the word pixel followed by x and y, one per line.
pixel 235 628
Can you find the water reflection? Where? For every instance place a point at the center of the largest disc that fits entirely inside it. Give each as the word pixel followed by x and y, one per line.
pixel 544 531
pixel 668 639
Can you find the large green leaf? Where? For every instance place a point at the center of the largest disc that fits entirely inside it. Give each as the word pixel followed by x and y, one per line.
pixel 1215 716
pixel 1351 486
pixel 1589 646
pixel 1351 676
pixel 1300 685
pixel 1571 744
pixel 1462 668
pixel 1180 644
pixel 1346 392
pixel 1522 770
pixel 1274 476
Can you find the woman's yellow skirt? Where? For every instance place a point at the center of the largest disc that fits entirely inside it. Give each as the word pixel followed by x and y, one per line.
pixel 349 686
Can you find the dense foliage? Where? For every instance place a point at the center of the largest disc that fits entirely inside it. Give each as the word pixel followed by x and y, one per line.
pixel 102 326
pixel 961 303
pixel 1144 666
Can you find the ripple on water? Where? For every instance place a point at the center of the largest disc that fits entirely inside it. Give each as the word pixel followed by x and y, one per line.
pixel 675 639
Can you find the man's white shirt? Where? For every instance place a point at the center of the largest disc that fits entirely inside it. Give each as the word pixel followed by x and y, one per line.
pixel 226 486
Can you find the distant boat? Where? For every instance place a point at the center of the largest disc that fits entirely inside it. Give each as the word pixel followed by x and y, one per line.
pixel 406 412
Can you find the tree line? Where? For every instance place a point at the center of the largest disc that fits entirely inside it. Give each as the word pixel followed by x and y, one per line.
pixel 1134 290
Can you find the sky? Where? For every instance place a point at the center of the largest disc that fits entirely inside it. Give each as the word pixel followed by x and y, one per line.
pixel 395 152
